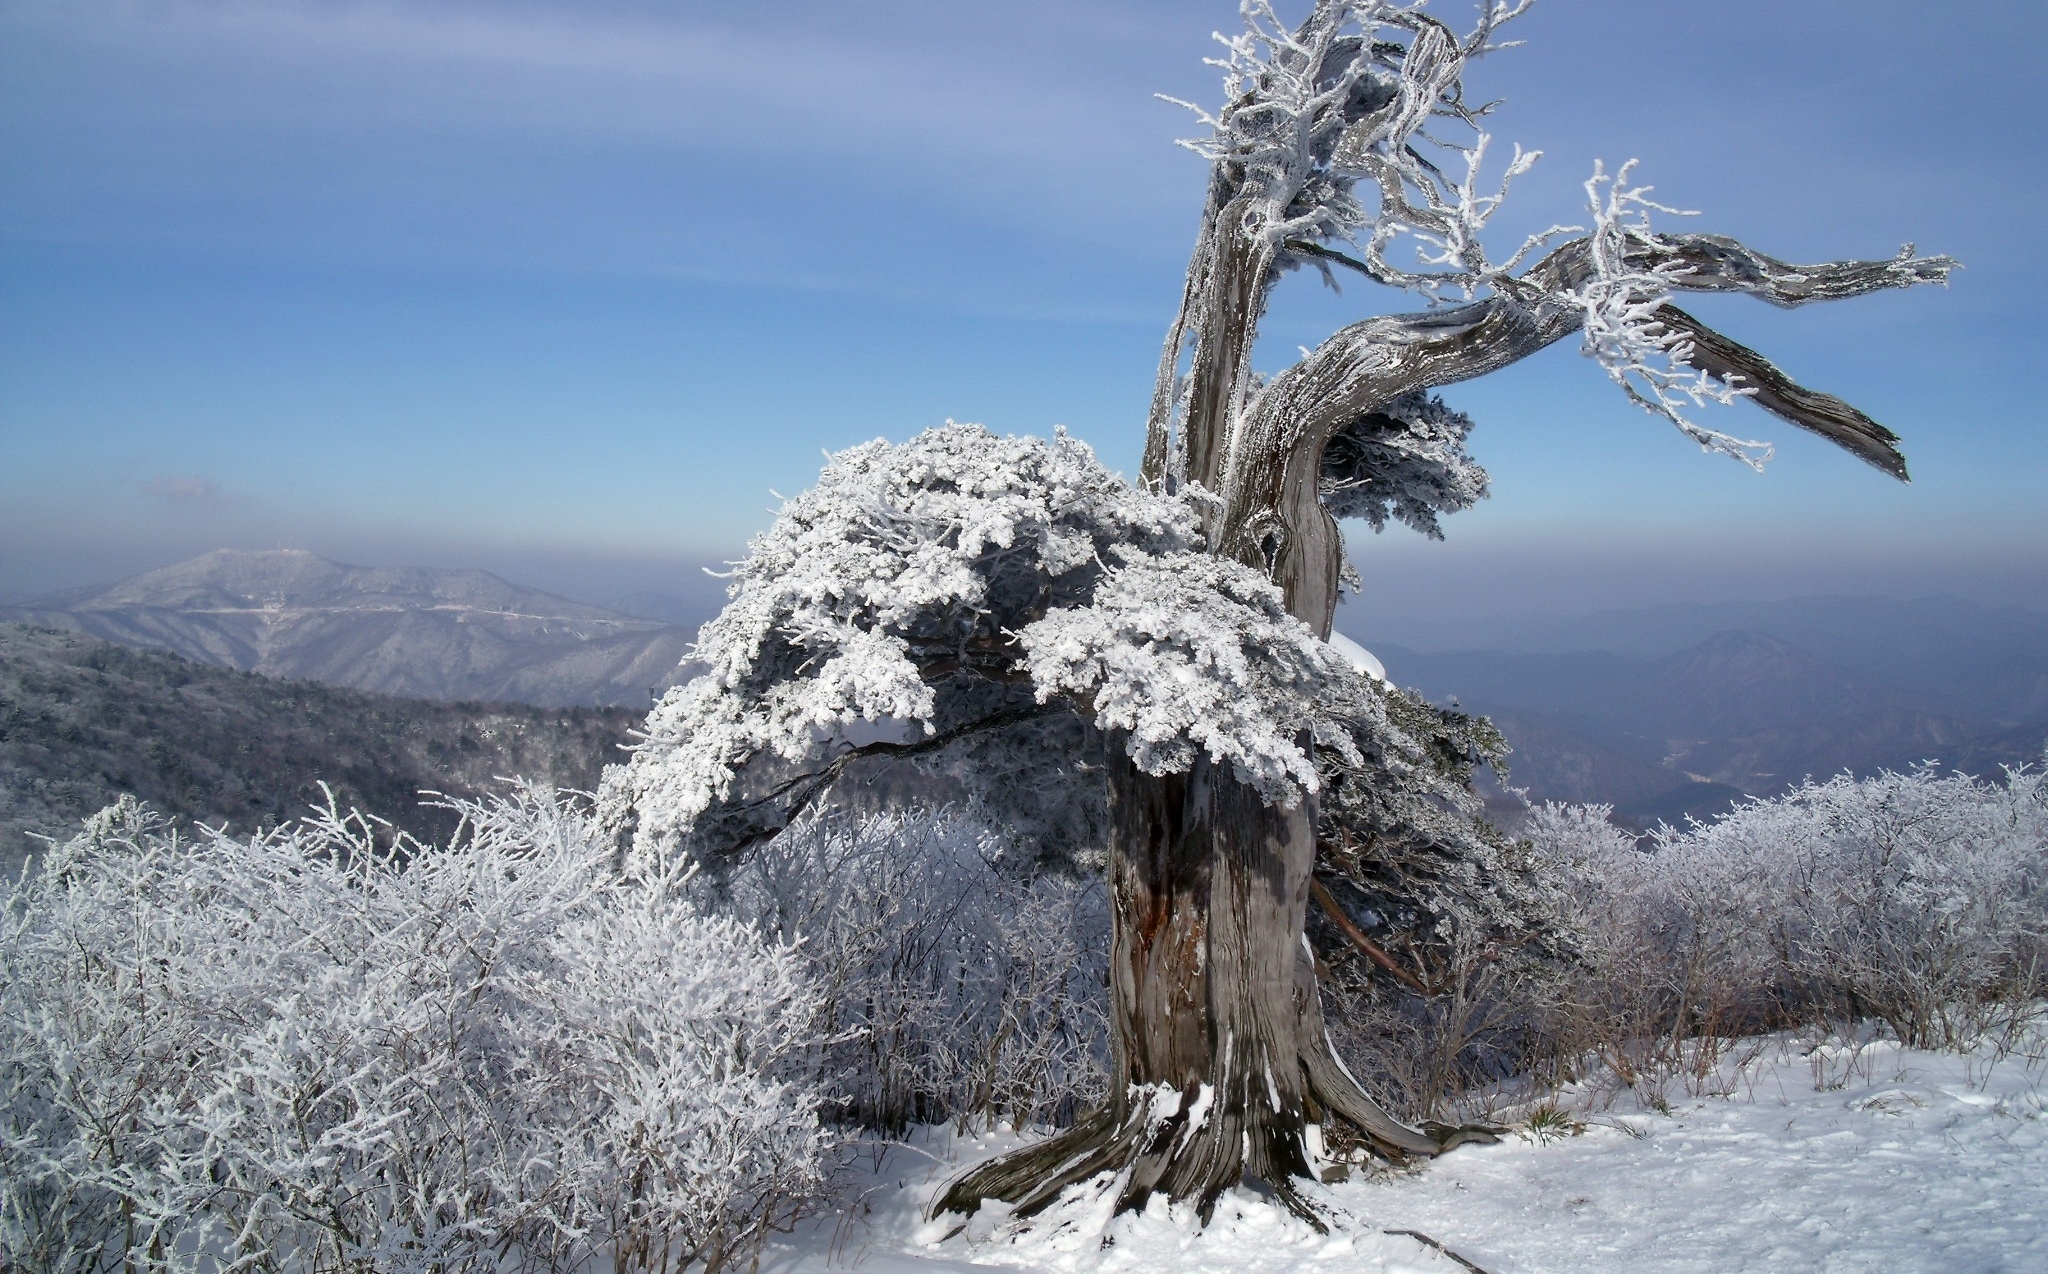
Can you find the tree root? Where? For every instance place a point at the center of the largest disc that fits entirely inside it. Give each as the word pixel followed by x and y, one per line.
pixel 1331 1084
pixel 1178 1144
pixel 1151 1150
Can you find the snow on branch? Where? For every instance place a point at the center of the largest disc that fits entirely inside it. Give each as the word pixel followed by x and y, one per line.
pixel 1363 91
pixel 1190 653
pixel 901 562
pixel 936 586
pixel 1623 329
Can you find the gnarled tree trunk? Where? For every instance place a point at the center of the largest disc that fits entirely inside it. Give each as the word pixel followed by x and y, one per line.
pixel 1222 1068
pixel 1222 1071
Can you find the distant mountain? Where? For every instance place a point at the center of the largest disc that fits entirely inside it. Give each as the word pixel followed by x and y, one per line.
pixel 689 611
pixel 1656 712
pixel 430 634
pixel 1946 653
pixel 1740 713
pixel 82 721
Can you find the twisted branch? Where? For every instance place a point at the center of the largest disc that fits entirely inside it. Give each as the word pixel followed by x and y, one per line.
pixel 1777 393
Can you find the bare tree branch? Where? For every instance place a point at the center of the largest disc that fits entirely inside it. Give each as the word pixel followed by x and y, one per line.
pixel 801 790
pixel 1785 398
pixel 1367 947
pixel 1302 247
pixel 1717 263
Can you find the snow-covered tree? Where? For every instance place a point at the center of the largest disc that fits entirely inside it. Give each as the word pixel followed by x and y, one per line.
pixel 1008 610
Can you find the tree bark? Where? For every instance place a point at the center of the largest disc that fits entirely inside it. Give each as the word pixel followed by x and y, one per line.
pixel 1221 1065
pixel 1222 1071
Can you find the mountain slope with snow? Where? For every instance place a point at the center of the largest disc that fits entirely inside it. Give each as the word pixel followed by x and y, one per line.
pixel 427 634
pixel 82 721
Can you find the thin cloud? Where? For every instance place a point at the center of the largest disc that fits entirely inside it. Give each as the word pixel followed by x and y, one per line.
pixel 872 85
pixel 799 150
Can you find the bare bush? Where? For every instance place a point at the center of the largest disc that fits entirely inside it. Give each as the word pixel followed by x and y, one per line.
pixel 1436 1055
pixel 304 1051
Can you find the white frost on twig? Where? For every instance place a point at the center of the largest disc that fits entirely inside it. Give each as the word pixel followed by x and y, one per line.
pixel 1349 97
pixel 1640 352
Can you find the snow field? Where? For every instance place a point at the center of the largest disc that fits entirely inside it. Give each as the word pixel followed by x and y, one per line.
pixel 1839 1158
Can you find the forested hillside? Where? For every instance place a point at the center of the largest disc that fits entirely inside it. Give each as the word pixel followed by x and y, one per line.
pixel 83 720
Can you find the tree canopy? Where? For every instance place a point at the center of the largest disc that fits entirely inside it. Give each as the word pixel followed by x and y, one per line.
pixel 960 585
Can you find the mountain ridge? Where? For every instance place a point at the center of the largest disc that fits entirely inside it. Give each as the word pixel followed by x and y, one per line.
pixel 1654 729
pixel 1990 660
pixel 1738 714
pixel 417 632
pixel 84 720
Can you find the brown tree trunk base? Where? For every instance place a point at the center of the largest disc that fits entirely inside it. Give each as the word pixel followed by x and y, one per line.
pixel 1190 1147
pixel 1222 1065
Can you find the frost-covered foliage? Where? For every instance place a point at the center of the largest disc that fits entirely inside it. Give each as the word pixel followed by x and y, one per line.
pixel 906 570
pixel 1406 461
pixel 1185 653
pixel 936 591
pixel 301 1051
pixel 951 987
pixel 1403 828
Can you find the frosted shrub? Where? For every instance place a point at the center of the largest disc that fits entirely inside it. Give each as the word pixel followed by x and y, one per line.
pixel 1917 898
pixel 1668 945
pixel 1920 899
pixel 304 1051
pixel 954 988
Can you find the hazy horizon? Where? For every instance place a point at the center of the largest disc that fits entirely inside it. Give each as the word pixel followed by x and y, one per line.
pixel 1483 614
pixel 563 291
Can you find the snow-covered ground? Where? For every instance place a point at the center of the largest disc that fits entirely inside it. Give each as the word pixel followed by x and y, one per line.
pixel 1829 1159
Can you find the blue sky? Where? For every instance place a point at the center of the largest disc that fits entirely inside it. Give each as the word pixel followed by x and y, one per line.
pixel 565 289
